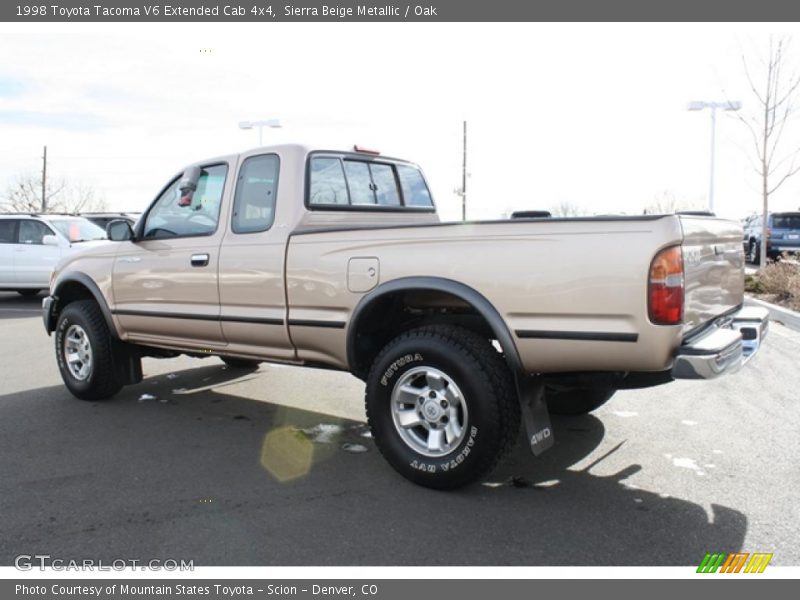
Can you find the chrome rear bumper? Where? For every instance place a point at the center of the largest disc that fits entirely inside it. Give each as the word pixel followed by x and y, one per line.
pixel 724 349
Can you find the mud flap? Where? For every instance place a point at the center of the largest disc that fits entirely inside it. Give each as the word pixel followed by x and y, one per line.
pixel 535 414
pixel 127 362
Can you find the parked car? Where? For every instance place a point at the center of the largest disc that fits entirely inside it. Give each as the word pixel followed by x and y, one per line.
pixel 30 246
pixel 531 214
pixel 783 235
pixel 102 219
pixel 337 259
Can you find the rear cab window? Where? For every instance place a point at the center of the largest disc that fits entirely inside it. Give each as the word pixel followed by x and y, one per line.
pixel 358 182
pixel 786 221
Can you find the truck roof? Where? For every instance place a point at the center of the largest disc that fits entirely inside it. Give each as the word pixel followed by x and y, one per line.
pixel 302 149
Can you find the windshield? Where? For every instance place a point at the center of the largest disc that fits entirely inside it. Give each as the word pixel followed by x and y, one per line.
pixel 79 230
pixel 786 221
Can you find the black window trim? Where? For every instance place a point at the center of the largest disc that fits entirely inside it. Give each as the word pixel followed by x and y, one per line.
pixel 236 189
pixel 342 156
pixel 146 215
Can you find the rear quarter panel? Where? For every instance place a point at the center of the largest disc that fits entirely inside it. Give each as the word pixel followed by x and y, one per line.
pixel 550 276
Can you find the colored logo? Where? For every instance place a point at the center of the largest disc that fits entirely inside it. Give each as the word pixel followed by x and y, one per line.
pixel 736 562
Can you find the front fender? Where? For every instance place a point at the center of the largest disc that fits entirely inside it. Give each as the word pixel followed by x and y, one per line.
pixel 69 286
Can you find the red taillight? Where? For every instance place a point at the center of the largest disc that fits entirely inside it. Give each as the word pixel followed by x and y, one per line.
pixel 665 287
pixel 363 150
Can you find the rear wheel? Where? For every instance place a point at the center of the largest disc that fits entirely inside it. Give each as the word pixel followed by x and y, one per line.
pixel 577 401
pixel 83 352
pixel 28 293
pixel 441 405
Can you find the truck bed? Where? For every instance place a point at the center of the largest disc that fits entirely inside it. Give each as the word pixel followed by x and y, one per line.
pixel 572 291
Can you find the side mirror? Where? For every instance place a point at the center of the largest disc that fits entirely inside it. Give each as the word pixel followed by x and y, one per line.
pixel 119 230
pixel 50 240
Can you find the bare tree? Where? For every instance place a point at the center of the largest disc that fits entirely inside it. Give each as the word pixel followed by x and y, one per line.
pixel 667 203
pixel 565 208
pixel 80 197
pixel 24 194
pixel 775 92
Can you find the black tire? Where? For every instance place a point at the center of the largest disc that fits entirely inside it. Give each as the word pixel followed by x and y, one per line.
pixel 101 382
pixel 576 402
pixel 490 422
pixel 754 252
pixel 28 293
pixel 240 363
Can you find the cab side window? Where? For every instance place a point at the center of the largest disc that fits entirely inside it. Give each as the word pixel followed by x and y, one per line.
pixel 8 231
pixel 32 232
pixel 174 216
pixel 256 189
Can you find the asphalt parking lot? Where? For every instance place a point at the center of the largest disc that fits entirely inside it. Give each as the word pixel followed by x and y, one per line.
pixel 274 467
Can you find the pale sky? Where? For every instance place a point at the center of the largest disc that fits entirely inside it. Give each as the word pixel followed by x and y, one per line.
pixel 591 114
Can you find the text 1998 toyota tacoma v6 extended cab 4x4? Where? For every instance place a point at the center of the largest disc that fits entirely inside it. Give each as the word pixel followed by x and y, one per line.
pixel 337 259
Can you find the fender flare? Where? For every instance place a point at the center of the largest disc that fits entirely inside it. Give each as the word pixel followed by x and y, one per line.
pixel 440 284
pixel 94 290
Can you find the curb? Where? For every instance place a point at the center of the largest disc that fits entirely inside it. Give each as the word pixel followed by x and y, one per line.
pixel 789 318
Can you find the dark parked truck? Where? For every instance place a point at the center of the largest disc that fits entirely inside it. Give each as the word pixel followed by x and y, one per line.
pixel 461 331
pixel 783 235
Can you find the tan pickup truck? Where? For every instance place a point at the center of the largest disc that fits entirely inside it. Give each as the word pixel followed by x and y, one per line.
pixel 337 259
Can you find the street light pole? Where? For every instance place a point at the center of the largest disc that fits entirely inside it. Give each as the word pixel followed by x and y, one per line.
pixel 44 180
pixel 274 123
pixel 713 148
pixel 700 105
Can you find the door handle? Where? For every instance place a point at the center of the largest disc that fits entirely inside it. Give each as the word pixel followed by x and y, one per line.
pixel 199 260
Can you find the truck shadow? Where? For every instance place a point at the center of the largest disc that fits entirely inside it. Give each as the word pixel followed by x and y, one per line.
pixel 15 306
pixel 208 476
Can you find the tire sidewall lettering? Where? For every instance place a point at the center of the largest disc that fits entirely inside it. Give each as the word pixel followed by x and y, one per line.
pixel 60 332
pixel 398 364
pixel 452 463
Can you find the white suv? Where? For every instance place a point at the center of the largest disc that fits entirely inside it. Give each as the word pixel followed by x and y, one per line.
pixel 31 245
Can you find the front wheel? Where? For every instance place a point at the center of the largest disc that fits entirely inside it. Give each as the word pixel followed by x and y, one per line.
pixel 83 352
pixel 441 405
pixel 577 401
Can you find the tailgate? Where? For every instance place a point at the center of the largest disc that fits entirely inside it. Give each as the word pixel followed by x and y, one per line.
pixel 713 261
